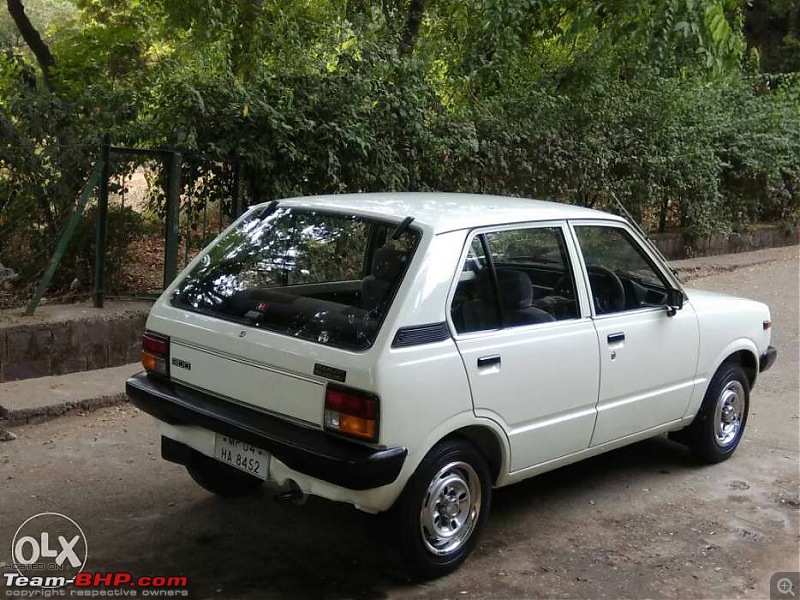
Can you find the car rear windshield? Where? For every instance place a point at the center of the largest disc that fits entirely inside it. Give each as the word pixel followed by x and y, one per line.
pixel 325 277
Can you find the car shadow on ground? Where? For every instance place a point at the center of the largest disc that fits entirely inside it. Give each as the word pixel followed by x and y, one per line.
pixel 258 547
pixel 623 466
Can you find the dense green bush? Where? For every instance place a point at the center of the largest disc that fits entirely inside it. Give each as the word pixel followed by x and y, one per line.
pixel 678 152
pixel 657 104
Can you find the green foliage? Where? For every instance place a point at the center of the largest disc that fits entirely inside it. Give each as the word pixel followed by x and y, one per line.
pixel 659 104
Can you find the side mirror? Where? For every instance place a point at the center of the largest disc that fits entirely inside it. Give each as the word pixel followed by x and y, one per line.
pixel 674 301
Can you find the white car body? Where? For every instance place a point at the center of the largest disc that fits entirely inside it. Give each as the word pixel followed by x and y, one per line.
pixel 563 391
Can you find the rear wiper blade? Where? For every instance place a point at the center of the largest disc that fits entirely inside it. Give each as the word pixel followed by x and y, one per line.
pixel 402 228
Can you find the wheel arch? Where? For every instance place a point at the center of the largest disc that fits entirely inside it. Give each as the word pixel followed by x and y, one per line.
pixel 488 443
pixel 744 352
pixel 748 361
pixel 487 435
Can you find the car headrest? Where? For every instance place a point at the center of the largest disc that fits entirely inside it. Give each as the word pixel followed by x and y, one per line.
pixel 388 263
pixel 516 291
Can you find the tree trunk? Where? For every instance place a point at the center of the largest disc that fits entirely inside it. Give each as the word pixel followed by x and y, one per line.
pixel 32 39
pixel 662 217
pixel 408 37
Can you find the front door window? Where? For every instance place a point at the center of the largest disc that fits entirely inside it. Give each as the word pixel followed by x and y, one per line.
pixel 621 276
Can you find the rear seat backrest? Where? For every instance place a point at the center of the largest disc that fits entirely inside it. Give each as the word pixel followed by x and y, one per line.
pixel 387 265
pixel 516 294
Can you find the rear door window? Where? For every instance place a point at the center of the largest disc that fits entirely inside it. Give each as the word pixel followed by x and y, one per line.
pixel 525 279
pixel 324 277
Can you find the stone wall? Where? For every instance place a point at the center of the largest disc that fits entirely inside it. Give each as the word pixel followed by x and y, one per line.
pixel 673 245
pixel 55 348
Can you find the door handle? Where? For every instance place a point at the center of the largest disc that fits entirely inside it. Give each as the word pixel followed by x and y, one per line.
pixel 615 338
pixel 488 361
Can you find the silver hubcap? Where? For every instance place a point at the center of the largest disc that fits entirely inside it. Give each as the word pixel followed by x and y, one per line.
pixel 450 508
pixel 728 414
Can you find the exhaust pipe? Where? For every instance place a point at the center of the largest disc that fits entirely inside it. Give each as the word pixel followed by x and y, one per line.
pixel 291 492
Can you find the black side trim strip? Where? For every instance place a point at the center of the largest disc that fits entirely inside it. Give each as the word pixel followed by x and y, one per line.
pixel 311 451
pixel 420 334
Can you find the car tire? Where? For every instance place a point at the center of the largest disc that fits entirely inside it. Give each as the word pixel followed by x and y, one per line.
pixel 221 479
pixel 443 509
pixel 717 429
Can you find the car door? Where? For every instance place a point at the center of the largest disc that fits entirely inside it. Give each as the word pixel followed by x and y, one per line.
pixel 521 323
pixel 648 354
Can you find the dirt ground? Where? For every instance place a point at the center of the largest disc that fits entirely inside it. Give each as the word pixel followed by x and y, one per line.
pixel 643 521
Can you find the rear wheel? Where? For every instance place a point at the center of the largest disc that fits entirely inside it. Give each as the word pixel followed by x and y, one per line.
pixel 717 430
pixel 443 509
pixel 221 479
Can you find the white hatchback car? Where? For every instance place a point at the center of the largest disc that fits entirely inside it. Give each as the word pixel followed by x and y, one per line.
pixel 411 352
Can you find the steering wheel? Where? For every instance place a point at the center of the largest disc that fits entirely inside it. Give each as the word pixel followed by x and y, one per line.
pixel 564 287
pixel 607 289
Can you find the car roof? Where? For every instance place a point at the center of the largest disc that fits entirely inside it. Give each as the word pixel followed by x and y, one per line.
pixel 444 212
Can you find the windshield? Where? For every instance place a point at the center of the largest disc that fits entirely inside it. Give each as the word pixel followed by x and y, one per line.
pixel 325 277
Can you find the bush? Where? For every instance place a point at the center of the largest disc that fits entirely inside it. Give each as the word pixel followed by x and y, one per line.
pixel 124 226
pixel 673 120
pixel 679 152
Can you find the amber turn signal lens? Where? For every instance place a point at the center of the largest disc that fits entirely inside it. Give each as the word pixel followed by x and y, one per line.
pixel 149 362
pixel 357 426
pixel 155 353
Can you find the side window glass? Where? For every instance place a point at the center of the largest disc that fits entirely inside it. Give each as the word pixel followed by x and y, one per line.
pixel 621 276
pixel 474 307
pixel 535 282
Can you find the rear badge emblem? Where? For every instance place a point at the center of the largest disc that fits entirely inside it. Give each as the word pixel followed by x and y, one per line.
pixel 330 372
pixel 181 364
pixel 242 333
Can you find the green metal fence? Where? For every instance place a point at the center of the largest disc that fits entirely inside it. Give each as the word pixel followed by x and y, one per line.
pixel 66 236
pixel 193 200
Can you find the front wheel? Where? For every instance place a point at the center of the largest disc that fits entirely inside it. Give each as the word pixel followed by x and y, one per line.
pixel 443 509
pixel 717 430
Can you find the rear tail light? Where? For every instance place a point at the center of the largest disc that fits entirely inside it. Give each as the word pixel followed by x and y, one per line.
pixel 351 412
pixel 155 353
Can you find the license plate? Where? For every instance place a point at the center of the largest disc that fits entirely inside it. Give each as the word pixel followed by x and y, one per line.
pixel 241 455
